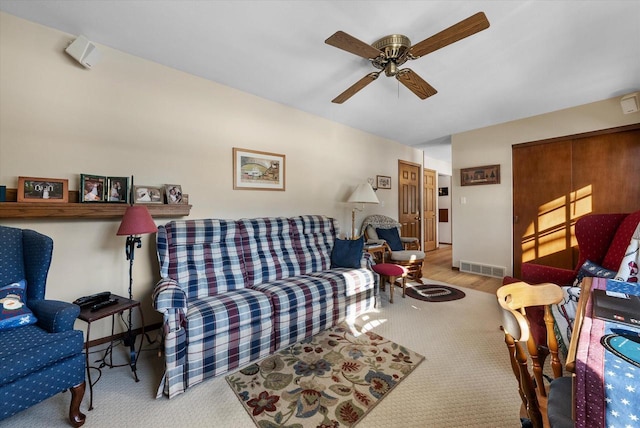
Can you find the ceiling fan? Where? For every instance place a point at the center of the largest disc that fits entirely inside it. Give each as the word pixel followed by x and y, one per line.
pixel 390 52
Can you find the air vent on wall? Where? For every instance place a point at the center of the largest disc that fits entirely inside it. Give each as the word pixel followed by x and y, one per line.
pixel 482 269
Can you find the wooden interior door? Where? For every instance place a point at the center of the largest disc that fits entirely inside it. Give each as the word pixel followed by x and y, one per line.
pixel 429 214
pixel 557 181
pixel 409 208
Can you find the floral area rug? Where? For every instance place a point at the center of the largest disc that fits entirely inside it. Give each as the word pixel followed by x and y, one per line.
pixel 328 381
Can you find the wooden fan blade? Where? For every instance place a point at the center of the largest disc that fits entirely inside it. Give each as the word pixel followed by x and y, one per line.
pixel 415 83
pixel 344 41
pixel 353 89
pixel 459 31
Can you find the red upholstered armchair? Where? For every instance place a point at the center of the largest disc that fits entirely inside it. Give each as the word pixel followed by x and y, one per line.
pixel 602 239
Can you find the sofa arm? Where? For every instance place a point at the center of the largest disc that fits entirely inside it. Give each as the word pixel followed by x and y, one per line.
pixel 53 315
pixel 167 295
pixel 367 260
pixel 168 298
pixel 536 274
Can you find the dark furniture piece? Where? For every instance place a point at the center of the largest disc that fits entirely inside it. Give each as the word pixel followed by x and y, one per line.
pixel 89 316
pixel 38 360
pixel 602 239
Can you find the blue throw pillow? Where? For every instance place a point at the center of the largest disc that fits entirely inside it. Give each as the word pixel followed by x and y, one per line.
pixel 590 268
pixel 347 253
pixel 392 237
pixel 14 311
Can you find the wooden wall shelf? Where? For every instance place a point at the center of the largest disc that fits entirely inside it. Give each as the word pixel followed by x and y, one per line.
pixel 76 210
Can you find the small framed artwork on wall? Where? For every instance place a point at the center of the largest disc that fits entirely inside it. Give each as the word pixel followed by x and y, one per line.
pixel 383 182
pixel 488 174
pixel 36 189
pixel 92 188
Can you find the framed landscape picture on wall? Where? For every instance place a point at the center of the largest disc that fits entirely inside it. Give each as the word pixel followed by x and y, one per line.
pixel 488 174
pixel 255 170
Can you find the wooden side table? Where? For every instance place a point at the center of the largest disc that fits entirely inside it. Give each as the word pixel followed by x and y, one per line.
pixel 89 317
pixel 378 252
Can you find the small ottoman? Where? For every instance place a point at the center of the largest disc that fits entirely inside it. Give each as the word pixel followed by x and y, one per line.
pixel 390 272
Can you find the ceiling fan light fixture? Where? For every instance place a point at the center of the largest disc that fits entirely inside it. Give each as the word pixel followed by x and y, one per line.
pixel 394 46
pixel 391 69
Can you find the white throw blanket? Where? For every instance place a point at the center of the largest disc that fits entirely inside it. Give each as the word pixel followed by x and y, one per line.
pixel 628 271
pixel 564 312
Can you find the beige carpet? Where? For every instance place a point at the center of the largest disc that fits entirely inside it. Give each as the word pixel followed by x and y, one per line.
pixel 465 380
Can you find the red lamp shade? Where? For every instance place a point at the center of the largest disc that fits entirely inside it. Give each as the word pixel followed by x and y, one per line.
pixel 136 221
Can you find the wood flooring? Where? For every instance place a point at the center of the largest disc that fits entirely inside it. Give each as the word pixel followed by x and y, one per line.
pixel 438 266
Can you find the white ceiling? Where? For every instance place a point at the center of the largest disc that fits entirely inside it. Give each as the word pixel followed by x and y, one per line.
pixel 536 57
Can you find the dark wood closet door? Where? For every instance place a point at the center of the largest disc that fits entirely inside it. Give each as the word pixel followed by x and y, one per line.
pixel 541 183
pixel 609 167
pixel 555 182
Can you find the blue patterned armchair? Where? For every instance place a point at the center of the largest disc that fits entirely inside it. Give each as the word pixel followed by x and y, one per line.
pixel 40 352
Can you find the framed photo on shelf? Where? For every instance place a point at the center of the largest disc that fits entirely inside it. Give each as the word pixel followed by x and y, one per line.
pixel 37 189
pixel 488 174
pixel 92 188
pixel 147 195
pixel 254 170
pixel 174 194
pixel 118 189
pixel 383 182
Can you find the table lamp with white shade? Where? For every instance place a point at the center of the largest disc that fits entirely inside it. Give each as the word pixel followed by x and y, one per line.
pixel 363 194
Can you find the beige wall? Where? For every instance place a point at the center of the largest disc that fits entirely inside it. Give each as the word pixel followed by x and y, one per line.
pixel 130 116
pixel 482 230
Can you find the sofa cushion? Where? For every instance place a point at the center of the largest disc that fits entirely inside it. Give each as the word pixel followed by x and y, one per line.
pixel 13 309
pixel 292 294
pixel 349 282
pixel 214 315
pixel 302 306
pixel 28 349
pixel 269 252
pixel 620 242
pixel 316 236
pixel 203 256
pixel 347 253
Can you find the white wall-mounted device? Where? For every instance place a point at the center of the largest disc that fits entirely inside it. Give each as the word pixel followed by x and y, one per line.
pixel 83 51
pixel 629 103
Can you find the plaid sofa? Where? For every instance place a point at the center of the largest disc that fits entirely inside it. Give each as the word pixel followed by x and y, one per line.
pixel 234 291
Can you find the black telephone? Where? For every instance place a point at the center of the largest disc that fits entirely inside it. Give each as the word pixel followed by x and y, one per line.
pixel 87 301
